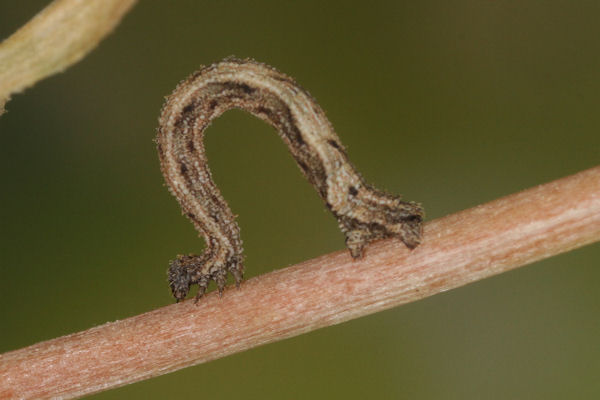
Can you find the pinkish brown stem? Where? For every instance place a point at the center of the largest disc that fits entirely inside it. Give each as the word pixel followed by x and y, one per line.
pixel 458 249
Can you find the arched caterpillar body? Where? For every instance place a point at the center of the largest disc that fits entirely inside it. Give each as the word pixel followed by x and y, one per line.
pixel 364 214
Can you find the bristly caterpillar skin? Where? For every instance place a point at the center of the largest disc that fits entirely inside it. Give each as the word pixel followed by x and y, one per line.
pixel 364 214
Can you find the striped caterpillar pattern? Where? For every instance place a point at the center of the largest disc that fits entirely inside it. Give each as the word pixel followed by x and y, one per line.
pixel 364 214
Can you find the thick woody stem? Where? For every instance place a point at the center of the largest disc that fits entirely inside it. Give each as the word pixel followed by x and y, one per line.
pixel 458 249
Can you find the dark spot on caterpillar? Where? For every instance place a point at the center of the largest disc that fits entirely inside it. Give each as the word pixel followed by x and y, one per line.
pixel 190 215
pixel 352 190
pixel 318 177
pixel 179 122
pixel 190 146
pixel 214 215
pixel 247 89
pixel 267 112
pixel 410 213
pixel 215 203
pixel 414 218
pixel 350 223
pixel 183 168
pixel 239 86
pixel 397 219
pixel 303 165
pixel 377 228
pixel 212 105
pixel 187 109
pixel 333 143
pixel 296 136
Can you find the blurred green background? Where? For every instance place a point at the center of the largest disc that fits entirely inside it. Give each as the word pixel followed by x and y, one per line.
pixel 449 103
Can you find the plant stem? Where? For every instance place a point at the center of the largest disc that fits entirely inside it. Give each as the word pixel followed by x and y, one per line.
pixel 458 249
pixel 57 37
